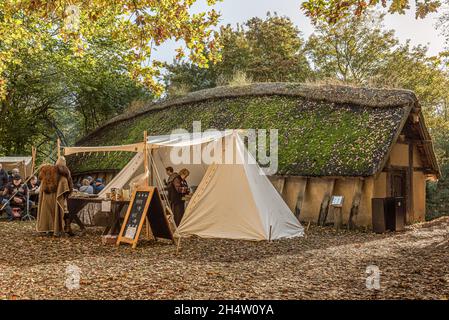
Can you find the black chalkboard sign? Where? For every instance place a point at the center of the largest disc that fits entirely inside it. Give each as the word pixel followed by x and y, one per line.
pixel 145 203
pixel 137 211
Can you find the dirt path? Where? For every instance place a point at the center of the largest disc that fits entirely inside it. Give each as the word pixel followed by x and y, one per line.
pixel 323 265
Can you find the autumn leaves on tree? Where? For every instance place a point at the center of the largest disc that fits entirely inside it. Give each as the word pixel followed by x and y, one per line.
pixel 139 26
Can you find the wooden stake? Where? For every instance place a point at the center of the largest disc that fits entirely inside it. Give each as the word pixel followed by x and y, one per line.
pixel 300 197
pixel 178 245
pixel 338 219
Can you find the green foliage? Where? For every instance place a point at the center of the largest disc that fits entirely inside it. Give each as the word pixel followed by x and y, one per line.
pixel 98 85
pixel 184 77
pixel 352 50
pixel 52 94
pixel 139 26
pixel 438 192
pixel 264 50
pixel 34 94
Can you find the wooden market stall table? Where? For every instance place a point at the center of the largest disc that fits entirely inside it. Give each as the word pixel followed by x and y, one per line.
pixel 77 203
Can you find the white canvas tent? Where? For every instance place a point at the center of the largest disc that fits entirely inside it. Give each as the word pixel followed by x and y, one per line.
pixel 237 201
pixel 233 200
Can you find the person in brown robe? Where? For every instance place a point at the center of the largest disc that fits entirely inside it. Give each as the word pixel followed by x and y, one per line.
pixel 56 186
pixel 177 189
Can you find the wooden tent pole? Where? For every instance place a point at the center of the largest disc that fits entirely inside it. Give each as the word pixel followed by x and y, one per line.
pixel 24 168
pixel 33 158
pixel 178 245
pixel 58 142
pixel 151 168
pixel 145 156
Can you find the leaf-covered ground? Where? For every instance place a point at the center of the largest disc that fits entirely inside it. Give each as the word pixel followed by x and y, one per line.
pixel 323 265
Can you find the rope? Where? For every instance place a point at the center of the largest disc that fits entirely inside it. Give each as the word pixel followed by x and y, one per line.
pixel 160 186
pixel 158 178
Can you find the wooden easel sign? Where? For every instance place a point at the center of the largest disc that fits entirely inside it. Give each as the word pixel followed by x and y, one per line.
pixel 145 203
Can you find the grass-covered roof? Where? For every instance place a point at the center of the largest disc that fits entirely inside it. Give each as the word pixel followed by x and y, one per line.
pixel 323 130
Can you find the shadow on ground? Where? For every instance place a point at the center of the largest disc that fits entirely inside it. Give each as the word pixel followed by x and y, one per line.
pixel 23 241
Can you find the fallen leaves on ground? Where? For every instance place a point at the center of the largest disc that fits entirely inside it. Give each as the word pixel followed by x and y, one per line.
pixel 324 264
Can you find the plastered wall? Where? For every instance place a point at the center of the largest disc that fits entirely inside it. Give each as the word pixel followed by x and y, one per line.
pixel 315 191
pixel 372 187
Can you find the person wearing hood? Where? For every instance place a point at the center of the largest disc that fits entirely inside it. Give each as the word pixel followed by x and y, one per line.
pixel 56 186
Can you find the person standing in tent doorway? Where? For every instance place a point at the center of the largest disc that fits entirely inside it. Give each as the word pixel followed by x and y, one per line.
pixel 177 190
pixel 171 176
pixel 56 186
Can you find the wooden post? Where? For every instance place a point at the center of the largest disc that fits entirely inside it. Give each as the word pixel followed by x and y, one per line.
pixel 324 208
pixel 178 245
pixel 33 158
pixel 409 194
pixel 388 179
pixel 151 169
pixel 338 219
pixel 300 198
pixel 335 208
pixel 145 157
pixel 58 145
pixel 355 206
pixel 283 182
pixel 306 230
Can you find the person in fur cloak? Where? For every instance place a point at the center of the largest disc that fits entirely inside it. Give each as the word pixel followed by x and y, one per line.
pixel 56 186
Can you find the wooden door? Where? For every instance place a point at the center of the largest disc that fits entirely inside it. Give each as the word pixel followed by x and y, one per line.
pixel 398 186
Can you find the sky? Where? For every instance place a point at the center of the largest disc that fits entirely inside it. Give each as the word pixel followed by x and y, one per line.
pixel 420 31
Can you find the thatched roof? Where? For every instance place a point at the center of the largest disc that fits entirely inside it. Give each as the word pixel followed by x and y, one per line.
pixel 323 129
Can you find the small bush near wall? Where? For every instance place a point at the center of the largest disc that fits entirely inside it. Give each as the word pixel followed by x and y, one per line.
pixel 438 195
